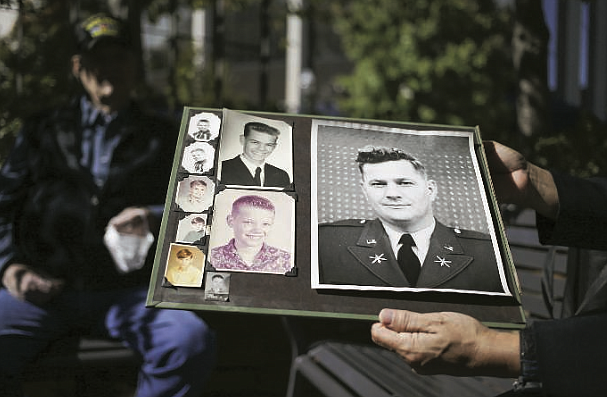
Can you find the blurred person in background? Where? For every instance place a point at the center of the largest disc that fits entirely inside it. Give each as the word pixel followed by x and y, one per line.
pixel 99 162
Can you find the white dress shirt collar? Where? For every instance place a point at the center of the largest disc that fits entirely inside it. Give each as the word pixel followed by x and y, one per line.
pixel 252 167
pixel 421 238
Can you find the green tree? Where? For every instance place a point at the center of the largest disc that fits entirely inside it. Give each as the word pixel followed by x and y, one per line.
pixel 34 64
pixel 441 61
pixel 35 57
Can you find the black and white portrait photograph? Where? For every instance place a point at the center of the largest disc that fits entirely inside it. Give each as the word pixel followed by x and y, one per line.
pixel 195 193
pixel 184 266
pixel 253 231
pixel 256 152
pixel 217 286
pixel 203 127
pixel 399 209
pixel 192 229
pixel 198 158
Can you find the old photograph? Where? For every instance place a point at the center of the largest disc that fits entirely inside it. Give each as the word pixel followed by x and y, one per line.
pixel 198 158
pixel 255 151
pixel 397 209
pixel 192 229
pixel 203 127
pixel 195 193
pixel 184 266
pixel 217 286
pixel 253 231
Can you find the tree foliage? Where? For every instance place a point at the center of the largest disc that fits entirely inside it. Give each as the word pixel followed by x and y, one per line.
pixel 441 61
pixel 34 64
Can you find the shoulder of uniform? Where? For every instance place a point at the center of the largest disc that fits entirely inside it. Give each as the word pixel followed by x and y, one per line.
pixel 469 234
pixel 345 223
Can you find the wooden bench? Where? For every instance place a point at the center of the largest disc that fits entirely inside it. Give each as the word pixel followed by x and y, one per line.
pixel 349 370
pixel 339 369
pixel 85 366
pixel 537 266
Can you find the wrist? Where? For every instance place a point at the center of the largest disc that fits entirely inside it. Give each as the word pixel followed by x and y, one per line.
pixel 529 379
pixel 498 353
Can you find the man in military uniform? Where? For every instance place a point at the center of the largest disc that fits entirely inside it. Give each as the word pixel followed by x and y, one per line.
pixel 405 246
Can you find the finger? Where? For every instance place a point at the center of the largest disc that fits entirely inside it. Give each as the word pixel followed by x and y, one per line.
pixel 406 321
pixel 389 339
pixel 131 214
pixel 493 159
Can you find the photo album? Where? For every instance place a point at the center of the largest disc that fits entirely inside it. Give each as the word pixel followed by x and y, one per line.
pixel 316 216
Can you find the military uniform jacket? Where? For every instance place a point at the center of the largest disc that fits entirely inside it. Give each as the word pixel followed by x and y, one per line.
pixel 358 252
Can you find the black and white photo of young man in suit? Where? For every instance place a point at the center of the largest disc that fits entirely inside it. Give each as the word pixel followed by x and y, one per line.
pixel 373 252
pixel 250 167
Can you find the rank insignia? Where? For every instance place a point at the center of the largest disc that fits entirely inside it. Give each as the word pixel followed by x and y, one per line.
pixel 378 258
pixel 442 261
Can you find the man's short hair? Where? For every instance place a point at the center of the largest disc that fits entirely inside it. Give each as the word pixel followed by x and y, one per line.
pixel 375 155
pixel 252 201
pixel 197 182
pixel 184 253
pixel 198 219
pixel 260 127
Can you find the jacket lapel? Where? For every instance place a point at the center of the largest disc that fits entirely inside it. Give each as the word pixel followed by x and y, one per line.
pixel 373 251
pixel 446 258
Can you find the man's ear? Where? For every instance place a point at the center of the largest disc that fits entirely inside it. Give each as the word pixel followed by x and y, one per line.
pixel 432 189
pixel 76 65
pixel 361 183
pixel 242 139
pixel 229 219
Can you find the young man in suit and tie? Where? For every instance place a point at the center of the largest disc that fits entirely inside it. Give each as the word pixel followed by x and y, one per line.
pixel 250 168
pixel 405 246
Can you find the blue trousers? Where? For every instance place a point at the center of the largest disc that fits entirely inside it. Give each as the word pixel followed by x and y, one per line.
pixel 177 347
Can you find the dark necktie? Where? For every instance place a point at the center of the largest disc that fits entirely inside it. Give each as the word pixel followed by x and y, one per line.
pixel 257 177
pixel 407 260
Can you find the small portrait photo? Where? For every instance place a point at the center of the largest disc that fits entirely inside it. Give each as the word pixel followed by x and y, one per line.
pixel 192 229
pixel 400 209
pixel 195 193
pixel 184 266
pixel 198 158
pixel 203 127
pixel 217 286
pixel 253 231
pixel 255 151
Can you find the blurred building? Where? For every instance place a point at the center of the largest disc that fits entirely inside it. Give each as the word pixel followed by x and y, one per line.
pixel 263 57
pixel 578 53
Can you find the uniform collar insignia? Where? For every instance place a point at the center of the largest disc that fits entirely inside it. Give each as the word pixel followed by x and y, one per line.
pixel 448 247
pixel 372 241
pixel 442 261
pixel 378 258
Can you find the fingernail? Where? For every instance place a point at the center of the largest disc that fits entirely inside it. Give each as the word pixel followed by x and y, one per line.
pixel 386 316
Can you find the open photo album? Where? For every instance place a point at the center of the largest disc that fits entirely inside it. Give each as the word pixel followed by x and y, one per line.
pixel 331 217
